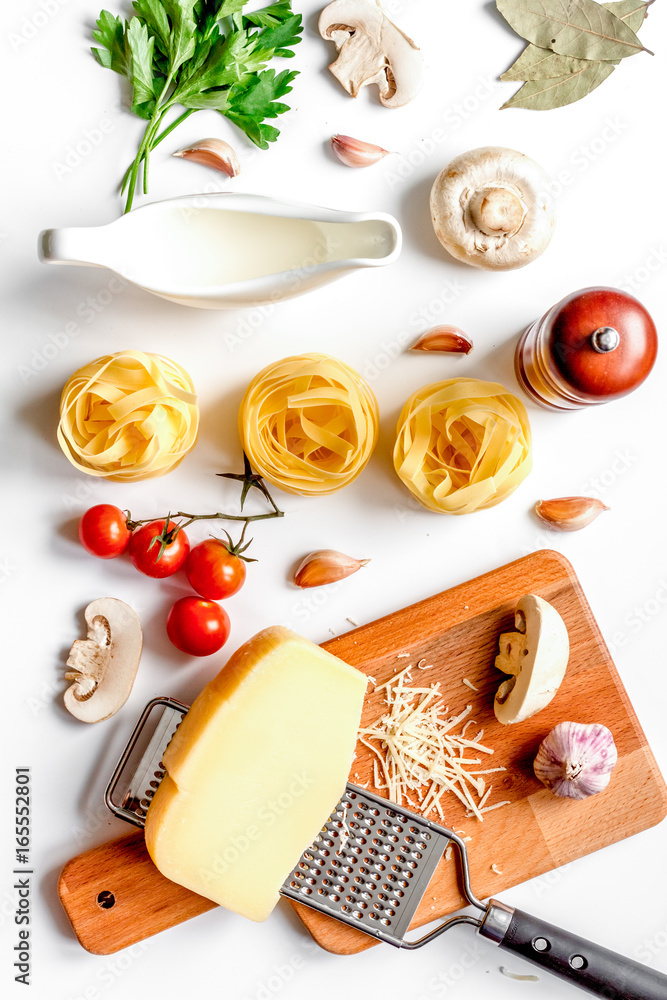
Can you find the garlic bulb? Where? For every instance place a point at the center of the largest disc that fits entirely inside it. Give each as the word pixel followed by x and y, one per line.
pixel 576 760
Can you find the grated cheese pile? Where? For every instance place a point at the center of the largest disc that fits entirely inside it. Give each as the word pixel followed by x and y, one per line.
pixel 417 750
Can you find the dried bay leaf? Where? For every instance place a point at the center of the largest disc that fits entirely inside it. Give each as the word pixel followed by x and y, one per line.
pixel 630 11
pixel 580 28
pixel 535 63
pixel 544 95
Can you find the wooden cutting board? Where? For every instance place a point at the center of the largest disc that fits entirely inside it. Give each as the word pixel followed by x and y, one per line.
pixel 456 633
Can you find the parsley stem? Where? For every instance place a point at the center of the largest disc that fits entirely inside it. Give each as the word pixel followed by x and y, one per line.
pixel 157 141
pixel 152 126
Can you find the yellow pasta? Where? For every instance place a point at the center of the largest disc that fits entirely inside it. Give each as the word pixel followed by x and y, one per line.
pixel 462 445
pixel 308 424
pixel 128 416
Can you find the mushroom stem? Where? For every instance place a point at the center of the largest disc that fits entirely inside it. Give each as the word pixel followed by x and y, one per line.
pixel 497 211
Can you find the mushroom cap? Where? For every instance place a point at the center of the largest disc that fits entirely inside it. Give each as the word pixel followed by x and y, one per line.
pixel 491 208
pixel 536 656
pixel 372 50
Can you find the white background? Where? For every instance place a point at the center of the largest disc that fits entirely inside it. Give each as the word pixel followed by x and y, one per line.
pixel 609 152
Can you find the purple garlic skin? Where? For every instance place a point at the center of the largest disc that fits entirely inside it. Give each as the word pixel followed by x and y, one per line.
pixel 576 760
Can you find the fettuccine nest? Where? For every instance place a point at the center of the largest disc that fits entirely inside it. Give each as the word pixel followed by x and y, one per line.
pixel 128 416
pixel 462 445
pixel 309 424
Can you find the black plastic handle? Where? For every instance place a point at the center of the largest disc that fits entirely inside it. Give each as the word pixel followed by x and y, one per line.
pixel 592 968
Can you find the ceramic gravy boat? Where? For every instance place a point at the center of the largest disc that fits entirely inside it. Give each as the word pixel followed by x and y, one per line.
pixel 228 250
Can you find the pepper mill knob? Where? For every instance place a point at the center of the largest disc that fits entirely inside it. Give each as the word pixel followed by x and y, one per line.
pixel 595 345
pixel 605 339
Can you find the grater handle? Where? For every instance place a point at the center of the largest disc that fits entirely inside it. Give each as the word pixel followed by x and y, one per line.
pixel 589 966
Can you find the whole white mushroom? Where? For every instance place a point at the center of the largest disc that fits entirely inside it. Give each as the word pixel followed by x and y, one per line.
pixel 491 208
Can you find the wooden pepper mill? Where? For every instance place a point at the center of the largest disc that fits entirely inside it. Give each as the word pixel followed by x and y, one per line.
pixel 593 346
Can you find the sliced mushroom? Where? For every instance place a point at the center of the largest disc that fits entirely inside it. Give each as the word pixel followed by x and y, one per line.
pixel 535 655
pixel 371 50
pixel 491 208
pixel 104 664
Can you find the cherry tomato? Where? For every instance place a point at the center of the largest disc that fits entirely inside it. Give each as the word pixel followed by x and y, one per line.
pixel 145 548
pixel 213 571
pixel 103 531
pixel 198 627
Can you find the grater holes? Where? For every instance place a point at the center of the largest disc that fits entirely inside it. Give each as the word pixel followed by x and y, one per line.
pixel 385 921
pixel 410 840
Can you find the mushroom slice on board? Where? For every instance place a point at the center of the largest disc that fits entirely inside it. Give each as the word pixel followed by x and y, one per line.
pixel 104 664
pixel 491 208
pixel 371 49
pixel 535 655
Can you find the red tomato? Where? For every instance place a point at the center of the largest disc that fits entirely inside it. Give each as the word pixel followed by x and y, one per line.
pixel 214 571
pixel 198 627
pixel 103 531
pixel 145 550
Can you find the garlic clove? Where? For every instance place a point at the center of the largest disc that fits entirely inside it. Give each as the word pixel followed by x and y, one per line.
pixel 326 566
pixel 444 339
pixel 575 760
pixel 355 152
pixel 569 513
pixel 214 153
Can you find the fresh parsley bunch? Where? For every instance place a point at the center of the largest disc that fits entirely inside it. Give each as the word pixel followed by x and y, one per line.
pixel 199 54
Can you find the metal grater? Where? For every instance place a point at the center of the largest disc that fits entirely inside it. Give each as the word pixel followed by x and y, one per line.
pixel 370 865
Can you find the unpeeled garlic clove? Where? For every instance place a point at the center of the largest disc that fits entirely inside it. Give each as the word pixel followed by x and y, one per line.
pixel 445 340
pixel 355 153
pixel 214 153
pixel 576 760
pixel 326 566
pixel 569 513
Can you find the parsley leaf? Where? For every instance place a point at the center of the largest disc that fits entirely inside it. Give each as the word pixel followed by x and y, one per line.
pixel 251 103
pixel 200 54
pixel 110 35
pixel 141 52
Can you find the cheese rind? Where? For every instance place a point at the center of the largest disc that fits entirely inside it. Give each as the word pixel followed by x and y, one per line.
pixel 255 770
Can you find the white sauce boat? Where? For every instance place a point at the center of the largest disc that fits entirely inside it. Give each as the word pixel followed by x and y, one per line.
pixel 218 251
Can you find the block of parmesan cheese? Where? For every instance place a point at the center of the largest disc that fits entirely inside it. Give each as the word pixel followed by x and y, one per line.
pixel 254 771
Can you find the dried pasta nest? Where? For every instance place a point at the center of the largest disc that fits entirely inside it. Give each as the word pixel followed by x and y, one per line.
pixel 128 416
pixel 309 424
pixel 462 445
